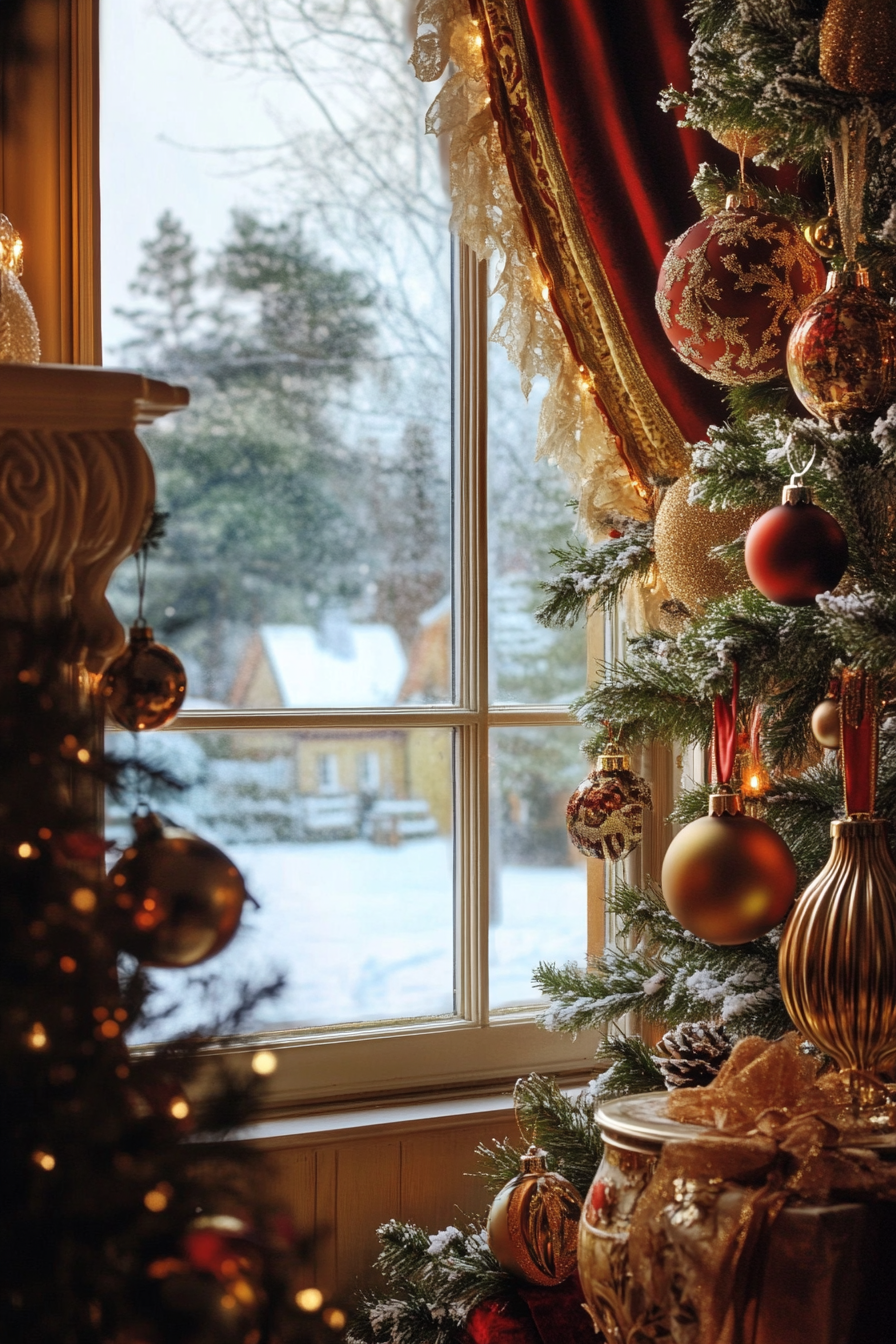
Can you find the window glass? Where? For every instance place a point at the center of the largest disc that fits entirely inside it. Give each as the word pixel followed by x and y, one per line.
pixel 537 909
pixel 275 235
pixel 354 882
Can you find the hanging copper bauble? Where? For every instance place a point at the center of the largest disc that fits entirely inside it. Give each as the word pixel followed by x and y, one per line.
pixel 684 535
pixel 730 289
pixel 826 723
pixel 728 878
pixel 837 960
pixel 145 686
pixel 533 1223
pixel 796 550
pixel 841 356
pixel 857 46
pixel 179 898
pixel 604 816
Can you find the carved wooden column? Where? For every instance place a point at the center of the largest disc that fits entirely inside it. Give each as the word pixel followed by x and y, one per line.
pixel 76 491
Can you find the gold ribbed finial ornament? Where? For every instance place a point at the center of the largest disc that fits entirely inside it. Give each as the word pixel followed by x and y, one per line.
pixel 837 960
pixel 858 46
pixel 684 535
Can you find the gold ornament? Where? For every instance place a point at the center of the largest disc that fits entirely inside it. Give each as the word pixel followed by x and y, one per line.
pixel 19 336
pixel 605 814
pixel 683 537
pixel 824 235
pixel 826 723
pixel 145 686
pixel 533 1223
pixel 179 897
pixel 837 960
pixel 858 46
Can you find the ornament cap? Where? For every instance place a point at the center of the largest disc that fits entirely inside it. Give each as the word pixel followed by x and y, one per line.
pixel 744 198
pixel 861 825
pixel 796 494
pixel 614 758
pixel 724 802
pixel 534 1161
pixel 852 276
pixel 140 630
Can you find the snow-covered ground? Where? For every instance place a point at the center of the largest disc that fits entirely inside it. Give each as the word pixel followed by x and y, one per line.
pixel 365 932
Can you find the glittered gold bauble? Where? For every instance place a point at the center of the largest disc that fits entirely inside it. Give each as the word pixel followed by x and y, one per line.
pixel 684 535
pixel 824 236
pixel 748 143
pixel 19 336
pixel 604 816
pixel 837 960
pixel 178 897
pixel 533 1224
pixel 826 723
pixel 727 877
pixel 857 46
pixel 731 288
pixel 145 686
pixel 841 355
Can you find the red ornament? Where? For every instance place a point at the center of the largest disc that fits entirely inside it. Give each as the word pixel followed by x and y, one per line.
pixel 841 356
pixel 730 289
pixel 796 550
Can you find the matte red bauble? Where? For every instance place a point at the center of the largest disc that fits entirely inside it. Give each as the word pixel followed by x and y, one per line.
pixel 796 550
pixel 145 686
pixel 731 288
pixel 179 898
pixel 826 723
pixel 841 356
pixel 728 878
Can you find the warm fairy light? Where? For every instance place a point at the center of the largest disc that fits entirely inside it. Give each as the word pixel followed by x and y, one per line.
pixel 122 1071
pixel 228 1302
pixel 156 1200
pixel 36 1039
pixel 120 1014
pixel 264 1062
pixel 101 1014
pixel 83 755
pixel 119 880
pixel 25 850
pixel 83 900
pixel 46 1161
pixel 45 833
pixel 335 1318
pixel 545 292
pixel 179 1108
pixel 109 1029
pixel 309 1299
pixel 479 39
pixel 68 964
pixel 754 781
pixel 243 1292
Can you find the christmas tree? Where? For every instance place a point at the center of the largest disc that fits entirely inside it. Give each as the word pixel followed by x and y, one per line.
pixel 768 574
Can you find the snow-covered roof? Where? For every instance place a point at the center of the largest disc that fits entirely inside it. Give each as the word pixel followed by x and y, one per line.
pixel 358 667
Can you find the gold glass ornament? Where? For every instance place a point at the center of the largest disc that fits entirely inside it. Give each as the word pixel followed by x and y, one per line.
pixel 824 236
pixel 837 960
pixel 826 723
pixel 857 46
pixel 179 897
pixel 728 878
pixel 145 686
pixel 19 336
pixel 684 535
pixel 533 1224
pixel 604 817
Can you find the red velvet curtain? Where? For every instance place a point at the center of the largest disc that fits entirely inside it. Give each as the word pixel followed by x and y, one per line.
pixel 603 63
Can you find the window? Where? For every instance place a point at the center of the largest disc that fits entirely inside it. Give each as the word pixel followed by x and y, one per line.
pixel 377 727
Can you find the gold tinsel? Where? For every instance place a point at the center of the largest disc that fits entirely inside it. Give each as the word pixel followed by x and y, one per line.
pixel 858 46
pixel 684 535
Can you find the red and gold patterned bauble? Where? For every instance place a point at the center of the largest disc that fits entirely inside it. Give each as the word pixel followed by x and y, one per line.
pixel 796 551
pixel 604 816
pixel 826 723
pixel 857 46
pixel 727 877
pixel 179 897
pixel 731 288
pixel 533 1224
pixel 145 686
pixel 841 355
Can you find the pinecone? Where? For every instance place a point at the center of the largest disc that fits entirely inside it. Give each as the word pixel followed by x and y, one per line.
pixel 692 1054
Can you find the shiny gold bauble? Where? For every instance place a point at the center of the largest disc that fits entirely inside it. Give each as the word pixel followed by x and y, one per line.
pixel 858 46
pixel 533 1224
pixel 683 537
pixel 826 723
pixel 748 143
pixel 837 960
pixel 145 686
pixel 178 898
pixel 824 236
pixel 728 878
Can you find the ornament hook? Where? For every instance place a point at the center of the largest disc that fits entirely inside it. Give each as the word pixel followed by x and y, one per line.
pixel 797 473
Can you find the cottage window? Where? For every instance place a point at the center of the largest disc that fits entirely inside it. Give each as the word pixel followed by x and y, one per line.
pixel 377 728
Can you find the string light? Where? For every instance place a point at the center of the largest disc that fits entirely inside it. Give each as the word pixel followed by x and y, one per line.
pixel 46 1161
pixel 37 1039
pixel 309 1299
pixel 68 964
pixel 264 1062
pixel 335 1318
pixel 26 851
pixel 157 1200
pixel 83 900
pixel 179 1108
